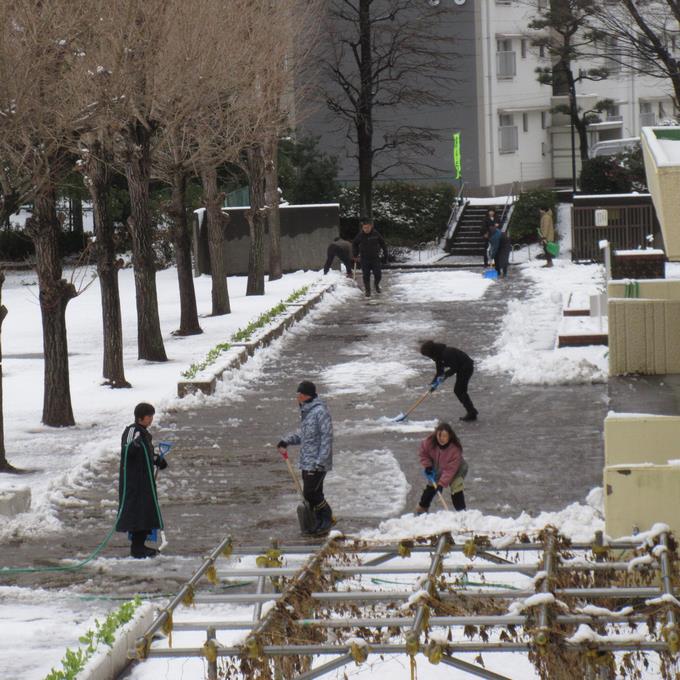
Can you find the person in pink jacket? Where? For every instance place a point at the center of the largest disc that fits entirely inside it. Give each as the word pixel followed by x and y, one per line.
pixel 441 455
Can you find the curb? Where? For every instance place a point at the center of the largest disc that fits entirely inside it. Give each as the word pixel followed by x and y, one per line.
pixel 240 352
pixel 109 664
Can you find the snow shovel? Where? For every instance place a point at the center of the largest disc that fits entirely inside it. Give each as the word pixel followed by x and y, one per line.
pixel 403 416
pixel 305 514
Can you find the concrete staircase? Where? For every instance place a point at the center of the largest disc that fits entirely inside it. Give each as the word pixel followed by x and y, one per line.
pixel 466 240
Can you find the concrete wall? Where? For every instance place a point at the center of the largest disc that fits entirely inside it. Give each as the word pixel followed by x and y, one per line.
pixel 656 289
pixel 641 488
pixel 639 497
pixel 662 167
pixel 643 336
pixel 641 438
pixel 306 231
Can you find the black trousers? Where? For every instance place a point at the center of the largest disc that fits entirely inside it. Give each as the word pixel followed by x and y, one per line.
pixel 333 252
pixel 460 389
pixel 312 487
pixel 368 266
pixel 458 498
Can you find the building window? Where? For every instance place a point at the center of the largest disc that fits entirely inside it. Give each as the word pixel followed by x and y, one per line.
pixel 647 115
pixel 506 65
pixel 541 51
pixel 507 133
pixel 612 56
pixel 523 45
pixel 614 113
pixel 525 122
pixel 545 119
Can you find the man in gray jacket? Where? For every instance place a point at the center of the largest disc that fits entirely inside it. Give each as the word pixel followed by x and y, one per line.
pixel 315 438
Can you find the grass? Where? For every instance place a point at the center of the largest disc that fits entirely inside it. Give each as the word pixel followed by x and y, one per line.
pixel 103 633
pixel 243 334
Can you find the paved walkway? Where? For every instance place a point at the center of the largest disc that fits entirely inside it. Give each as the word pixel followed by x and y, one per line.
pixel 534 447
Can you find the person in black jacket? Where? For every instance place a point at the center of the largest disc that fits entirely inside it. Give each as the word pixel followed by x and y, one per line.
pixel 450 360
pixel 343 251
pixel 138 511
pixel 367 246
pixel 490 220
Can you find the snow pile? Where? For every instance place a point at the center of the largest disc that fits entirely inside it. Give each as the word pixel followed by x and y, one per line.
pixel 577 521
pixel 525 347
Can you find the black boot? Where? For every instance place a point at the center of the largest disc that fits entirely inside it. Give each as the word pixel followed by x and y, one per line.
pixel 324 519
pixel 377 288
pixel 138 550
pixel 470 415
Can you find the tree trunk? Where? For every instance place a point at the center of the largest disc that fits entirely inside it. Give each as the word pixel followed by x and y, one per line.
pixel 137 172
pixel 271 197
pixel 256 216
pixel 113 369
pixel 364 123
pixel 188 324
pixel 4 465
pixel 54 295
pixel 576 120
pixel 218 273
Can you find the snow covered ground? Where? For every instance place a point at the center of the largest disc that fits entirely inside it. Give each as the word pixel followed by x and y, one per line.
pixel 525 347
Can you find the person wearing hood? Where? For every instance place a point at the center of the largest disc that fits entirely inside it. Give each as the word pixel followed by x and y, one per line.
pixel 441 455
pixel 448 361
pixel 315 438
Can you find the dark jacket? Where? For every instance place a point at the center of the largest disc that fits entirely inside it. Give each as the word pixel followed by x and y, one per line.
pixel 500 245
pixel 138 510
pixel 449 360
pixel 368 246
pixel 315 436
pixel 488 223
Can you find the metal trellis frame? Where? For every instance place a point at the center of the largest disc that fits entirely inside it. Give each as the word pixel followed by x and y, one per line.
pixel 413 623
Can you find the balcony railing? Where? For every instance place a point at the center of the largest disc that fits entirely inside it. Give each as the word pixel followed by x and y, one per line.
pixel 506 64
pixel 507 139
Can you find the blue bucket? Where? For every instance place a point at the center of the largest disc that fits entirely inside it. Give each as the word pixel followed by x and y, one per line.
pixel 490 274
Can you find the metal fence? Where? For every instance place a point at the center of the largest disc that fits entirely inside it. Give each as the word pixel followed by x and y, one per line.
pixel 628 228
pixel 324 609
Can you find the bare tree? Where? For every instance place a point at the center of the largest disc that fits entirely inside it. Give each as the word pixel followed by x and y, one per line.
pixel 645 35
pixel 96 165
pixel 384 57
pixel 37 47
pixel 4 464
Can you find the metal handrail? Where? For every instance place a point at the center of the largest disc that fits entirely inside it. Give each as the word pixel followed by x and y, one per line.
pixel 509 203
pixel 459 203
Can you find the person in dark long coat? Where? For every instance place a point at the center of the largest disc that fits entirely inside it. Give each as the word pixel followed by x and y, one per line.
pixel 500 250
pixel 138 509
pixel 450 360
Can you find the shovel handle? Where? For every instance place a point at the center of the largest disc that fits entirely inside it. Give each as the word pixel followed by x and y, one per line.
pixel 298 486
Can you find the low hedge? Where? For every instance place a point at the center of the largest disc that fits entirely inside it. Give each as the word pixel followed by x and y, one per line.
pixel 405 214
pixel 526 217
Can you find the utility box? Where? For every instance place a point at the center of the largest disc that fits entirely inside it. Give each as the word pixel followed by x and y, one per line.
pixel 631 438
pixel 638 496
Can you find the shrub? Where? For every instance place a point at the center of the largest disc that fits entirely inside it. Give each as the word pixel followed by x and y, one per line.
pixel 526 218
pixel 405 214
pixel 605 175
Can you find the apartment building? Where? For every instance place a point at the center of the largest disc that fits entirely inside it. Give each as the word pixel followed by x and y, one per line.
pixel 508 133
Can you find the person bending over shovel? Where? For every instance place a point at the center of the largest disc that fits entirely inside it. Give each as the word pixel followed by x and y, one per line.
pixel 315 438
pixel 138 511
pixel 450 360
pixel 441 455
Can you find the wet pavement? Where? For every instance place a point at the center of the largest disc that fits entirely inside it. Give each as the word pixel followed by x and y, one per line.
pixel 533 448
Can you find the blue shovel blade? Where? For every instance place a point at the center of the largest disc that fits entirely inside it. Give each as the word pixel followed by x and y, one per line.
pixel 490 274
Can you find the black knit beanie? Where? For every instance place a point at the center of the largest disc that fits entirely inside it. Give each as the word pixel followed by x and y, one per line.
pixel 307 388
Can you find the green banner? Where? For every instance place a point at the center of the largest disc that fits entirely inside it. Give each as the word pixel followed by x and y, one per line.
pixel 456 154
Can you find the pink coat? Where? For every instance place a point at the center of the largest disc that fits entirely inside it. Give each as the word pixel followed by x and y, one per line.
pixel 445 461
